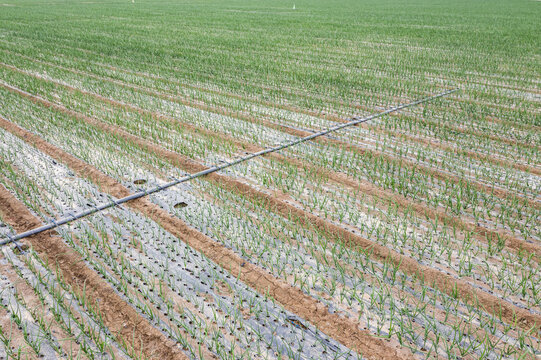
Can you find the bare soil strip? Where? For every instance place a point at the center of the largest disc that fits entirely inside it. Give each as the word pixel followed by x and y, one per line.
pixel 469 153
pixel 16 337
pixel 496 120
pixel 438 279
pixel 439 314
pixel 341 329
pixel 481 233
pixel 34 305
pixel 321 114
pixel 511 241
pixel 287 107
pixel 133 293
pixel 462 130
pixel 121 319
pixel 438 174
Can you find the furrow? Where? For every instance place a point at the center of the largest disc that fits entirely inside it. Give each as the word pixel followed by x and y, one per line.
pixel 482 232
pixel 118 316
pixel 442 281
pixel 436 173
pixel 341 329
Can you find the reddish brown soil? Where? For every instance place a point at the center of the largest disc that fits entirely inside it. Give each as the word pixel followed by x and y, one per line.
pixel 34 305
pixel 11 331
pixel 496 120
pixel 491 303
pixel 469 153
pixel 121 319
pixel 461 130
pixel 439 314
pixel 432 276
pixel 512 242
pixel 324 115
pixel 341 329
pixel 502 193
pixel 482 233
pixel 133 292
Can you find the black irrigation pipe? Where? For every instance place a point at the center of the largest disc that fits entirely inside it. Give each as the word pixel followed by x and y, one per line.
pixel 354 121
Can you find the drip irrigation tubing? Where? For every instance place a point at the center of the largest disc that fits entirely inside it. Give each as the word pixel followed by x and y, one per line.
pixel 97 208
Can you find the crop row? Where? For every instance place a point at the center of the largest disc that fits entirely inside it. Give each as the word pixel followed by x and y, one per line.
pixel 97 147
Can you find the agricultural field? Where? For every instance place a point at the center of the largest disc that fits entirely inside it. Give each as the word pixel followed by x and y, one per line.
pixel 415 235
